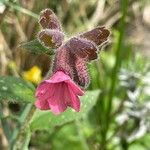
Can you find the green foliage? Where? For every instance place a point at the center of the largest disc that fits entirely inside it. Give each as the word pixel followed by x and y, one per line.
pixel 72 140
pixel 36 47
pixel 136 147
pixel 46 120
pixel 16 90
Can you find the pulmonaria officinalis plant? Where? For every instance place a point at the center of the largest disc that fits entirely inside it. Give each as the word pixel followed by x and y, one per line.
pixel 69 71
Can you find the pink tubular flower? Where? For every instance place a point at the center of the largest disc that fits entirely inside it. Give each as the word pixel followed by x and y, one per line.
pixel 57 93
pixel 69 66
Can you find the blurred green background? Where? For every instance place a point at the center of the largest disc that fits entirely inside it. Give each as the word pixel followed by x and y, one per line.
pixel 119 119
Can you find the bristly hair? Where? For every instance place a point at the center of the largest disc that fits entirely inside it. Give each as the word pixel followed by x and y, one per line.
pixel 71 56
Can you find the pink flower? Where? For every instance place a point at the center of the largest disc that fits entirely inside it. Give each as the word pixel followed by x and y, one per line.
pixel 57 93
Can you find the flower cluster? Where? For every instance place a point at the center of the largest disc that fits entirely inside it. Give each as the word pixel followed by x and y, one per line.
pixel 69 71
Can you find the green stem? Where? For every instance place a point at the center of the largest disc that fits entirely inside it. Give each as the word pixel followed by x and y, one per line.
pixel 5 125
pixel 124 6
pixel 23 132
pixel 21 119
pixel 118 55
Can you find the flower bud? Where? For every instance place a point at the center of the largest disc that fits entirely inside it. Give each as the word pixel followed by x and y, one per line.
pixel 51 38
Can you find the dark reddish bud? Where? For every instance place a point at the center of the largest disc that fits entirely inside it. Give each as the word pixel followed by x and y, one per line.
pixel 51 38
pixel 48 20
pixel 82 48
pixel 71 65
pixel 63 61
pixel 81 75
pixel 97 35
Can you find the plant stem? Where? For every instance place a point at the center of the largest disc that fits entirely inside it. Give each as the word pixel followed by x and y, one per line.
pixel 118 56
pixel 22 133
pixel 22 119
pixel 123 5
pixel 5 126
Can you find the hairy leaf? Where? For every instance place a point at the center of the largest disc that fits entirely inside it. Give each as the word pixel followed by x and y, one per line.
pixel 36 47
pixel 16 89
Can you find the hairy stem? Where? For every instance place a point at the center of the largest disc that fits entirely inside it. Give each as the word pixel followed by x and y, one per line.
pixel 23 132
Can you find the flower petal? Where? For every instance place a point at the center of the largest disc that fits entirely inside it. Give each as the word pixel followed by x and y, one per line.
pixel 57 102
pixel 41 89
pixel 74 100
pixel 59 76
pixel 57 93
pixel 77 90
pixel 42 104
pixel 46 91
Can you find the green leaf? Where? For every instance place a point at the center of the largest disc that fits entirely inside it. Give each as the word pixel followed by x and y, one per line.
pixel 46 120
pixel 36 47
pixel 16 89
